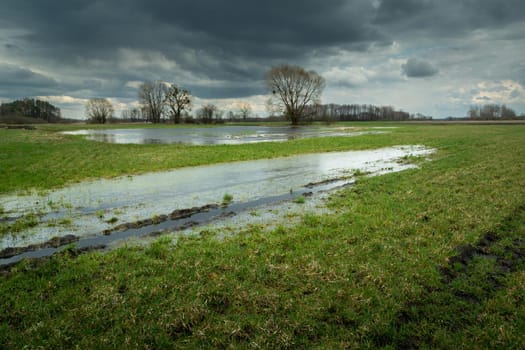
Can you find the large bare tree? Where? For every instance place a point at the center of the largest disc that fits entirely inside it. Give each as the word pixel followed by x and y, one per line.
pixel 152 95
pixel 177 100
pixel 99 110
pixel 293 88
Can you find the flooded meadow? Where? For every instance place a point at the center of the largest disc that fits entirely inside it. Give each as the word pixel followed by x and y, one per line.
pixel 103 212
pixel 221 135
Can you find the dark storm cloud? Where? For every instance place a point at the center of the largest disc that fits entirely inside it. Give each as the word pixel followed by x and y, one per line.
pixel 96 48
pixel 14 75
pixel 416 68
pixel 15 80
pixel 306 23
pixel 211 39
pixel 275 28
pixel 446 17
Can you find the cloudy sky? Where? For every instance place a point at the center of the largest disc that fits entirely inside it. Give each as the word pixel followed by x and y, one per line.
pixel 436 57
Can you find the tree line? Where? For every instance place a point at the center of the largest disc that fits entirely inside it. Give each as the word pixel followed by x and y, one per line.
pixel 30 108
pixel 358 112
pixel 158 101
pixel 295 95
pixel 491 112
pixel 293 89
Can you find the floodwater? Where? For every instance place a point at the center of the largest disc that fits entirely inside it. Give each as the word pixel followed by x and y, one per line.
pixel 87 209
pixel 222 135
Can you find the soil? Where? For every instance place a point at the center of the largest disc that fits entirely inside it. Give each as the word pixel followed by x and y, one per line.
pixel 175 215
pixel 54 242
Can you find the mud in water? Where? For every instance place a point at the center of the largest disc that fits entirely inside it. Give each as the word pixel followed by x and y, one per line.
pixel 54 242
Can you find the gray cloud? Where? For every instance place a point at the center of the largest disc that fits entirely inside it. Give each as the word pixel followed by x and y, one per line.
pixel 222 49
pixel 16 80
pixel 416 68
pixel 222 41
pixel 446 17
pixel 483 98
pixel 15 75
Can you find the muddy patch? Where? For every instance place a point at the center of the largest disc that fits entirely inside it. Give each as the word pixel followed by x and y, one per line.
pixel 174 216
pixel 54 242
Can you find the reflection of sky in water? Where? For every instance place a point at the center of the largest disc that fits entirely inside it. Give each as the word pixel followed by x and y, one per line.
pixel 223 135
pixel 143 196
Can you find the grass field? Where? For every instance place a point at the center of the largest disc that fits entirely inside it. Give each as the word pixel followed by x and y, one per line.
pixel 427 258
pixel 45 159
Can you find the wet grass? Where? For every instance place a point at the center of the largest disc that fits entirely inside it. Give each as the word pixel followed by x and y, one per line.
pixel 426 258
pixel 227 199
pixel 300 200
pixel 43 159
pixel 20 224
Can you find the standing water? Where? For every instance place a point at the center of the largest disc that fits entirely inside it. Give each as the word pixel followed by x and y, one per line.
pixel 88 209
pixel 222 135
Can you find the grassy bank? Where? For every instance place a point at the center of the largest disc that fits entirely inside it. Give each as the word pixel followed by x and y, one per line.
pixel 427 258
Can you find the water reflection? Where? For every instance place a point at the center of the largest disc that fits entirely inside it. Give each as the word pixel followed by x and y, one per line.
pixel 222 135
pixel 88 207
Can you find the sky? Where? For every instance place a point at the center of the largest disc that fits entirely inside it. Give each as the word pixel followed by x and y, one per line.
pixel 436 57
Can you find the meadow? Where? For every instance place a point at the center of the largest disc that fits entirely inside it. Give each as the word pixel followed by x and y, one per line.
pixel 432 257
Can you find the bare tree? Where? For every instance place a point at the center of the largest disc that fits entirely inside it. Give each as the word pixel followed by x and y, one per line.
pixel 177 100
pixel 208 113
pixel 152 95
pixel 507 113
pixel 293 88
pixel 99 110
pixel 491 112
pixel 245 109
pixel 131 115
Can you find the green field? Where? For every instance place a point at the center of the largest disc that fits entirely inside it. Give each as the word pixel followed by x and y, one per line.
pixel 426 258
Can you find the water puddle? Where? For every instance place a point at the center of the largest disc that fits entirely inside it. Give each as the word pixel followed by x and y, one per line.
pixel 222 135
pixel 103 212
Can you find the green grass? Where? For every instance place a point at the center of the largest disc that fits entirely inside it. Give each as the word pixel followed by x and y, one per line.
pixel 20 224
pixel 300 200
pixel 387 269
pixel 43 159
pixel 227 199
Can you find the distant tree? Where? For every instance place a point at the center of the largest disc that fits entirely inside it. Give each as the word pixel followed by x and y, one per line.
pixel 473 112
pixel 132 115
pixel 507 113
pixel 125 115
pixel 245 110
pixel 332 112
pixel 293 88
pixel 29 107
pixel 490 112
pixel 208 114
pixel 99 110
pixel 135 114
pixel 177 100
pixel 152 95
